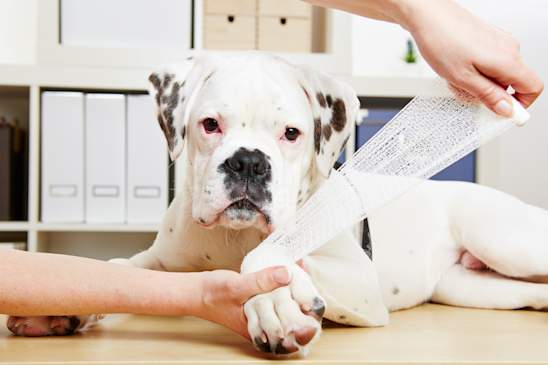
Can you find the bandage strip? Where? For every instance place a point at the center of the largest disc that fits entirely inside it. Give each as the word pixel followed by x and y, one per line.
pixel 429 134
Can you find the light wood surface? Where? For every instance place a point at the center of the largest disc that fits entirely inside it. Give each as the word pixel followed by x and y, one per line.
pixel 427 334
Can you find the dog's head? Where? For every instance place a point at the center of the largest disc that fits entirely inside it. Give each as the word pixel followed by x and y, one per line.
pixel 260 134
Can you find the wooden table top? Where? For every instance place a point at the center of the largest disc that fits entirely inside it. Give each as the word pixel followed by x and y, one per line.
pixel 427 334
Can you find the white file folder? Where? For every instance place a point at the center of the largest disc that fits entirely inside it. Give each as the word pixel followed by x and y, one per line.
pixel 105 158
pixel 62 157
pixel 147 162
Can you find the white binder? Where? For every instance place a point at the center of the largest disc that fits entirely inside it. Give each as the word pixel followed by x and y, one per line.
pixel 62 157
pixel 147 162
pixel 105 158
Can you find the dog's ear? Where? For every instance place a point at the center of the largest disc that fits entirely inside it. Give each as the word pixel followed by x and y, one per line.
pixel 174 93
pixel 335 109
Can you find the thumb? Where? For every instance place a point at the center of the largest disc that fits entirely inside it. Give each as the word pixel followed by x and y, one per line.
pixel 490 93
pixel 264 281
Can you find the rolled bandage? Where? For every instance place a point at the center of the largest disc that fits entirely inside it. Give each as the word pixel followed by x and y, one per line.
pixel 430 133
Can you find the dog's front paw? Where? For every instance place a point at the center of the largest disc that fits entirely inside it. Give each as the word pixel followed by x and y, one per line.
pixel 286 320
pixel 43 325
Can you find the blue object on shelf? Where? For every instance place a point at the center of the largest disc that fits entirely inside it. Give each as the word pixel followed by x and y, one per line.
pixel 462 170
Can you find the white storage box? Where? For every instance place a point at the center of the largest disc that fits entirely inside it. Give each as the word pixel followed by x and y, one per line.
pixel 62 157
pixel 147 162
pixel 126 23
pixel 105 158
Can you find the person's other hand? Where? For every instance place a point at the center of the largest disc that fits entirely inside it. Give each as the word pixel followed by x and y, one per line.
pixel 224 293
pixel 472 55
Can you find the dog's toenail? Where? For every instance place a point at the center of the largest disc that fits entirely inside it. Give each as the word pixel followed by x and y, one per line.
pixel 264 346
pixel 281 350
pixel 318 307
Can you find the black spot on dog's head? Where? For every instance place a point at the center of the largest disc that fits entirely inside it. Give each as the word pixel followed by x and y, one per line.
pixel 395 290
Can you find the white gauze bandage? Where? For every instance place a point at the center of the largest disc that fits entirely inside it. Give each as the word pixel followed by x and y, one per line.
pixel 430 133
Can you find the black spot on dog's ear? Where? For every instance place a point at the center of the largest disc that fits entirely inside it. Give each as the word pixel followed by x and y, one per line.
pixel 155 80
pixel 338 117
pixel 306 94
pixel 206 79
pixel 329 100
pixel 327 132
pixel 321 99
pixel 167 80
pixel 317 134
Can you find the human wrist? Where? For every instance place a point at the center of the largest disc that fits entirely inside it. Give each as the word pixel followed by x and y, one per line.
pixel 407 13
pixel 171 293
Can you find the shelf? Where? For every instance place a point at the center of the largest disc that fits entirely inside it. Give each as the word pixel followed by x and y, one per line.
pixel 14 226
pixel 85 227
pixel 135 79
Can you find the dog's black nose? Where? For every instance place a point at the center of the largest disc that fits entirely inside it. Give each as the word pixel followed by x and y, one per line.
pixel 248 163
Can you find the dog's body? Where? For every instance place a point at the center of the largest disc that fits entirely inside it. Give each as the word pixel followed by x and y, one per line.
pixel 245 175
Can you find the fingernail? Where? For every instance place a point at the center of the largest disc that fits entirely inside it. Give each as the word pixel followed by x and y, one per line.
pixel 503 108
pixel 281 275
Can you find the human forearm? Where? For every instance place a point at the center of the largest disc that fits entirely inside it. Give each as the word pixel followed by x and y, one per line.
pixel 395 11
pixel 46 284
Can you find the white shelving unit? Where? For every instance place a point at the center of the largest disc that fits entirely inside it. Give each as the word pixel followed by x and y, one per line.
pixel 126 70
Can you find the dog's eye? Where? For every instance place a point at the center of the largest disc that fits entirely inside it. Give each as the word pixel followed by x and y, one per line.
pixel 211 125
pixel 291 134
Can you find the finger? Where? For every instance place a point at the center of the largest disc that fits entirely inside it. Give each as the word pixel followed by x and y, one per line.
pixel 528 86
pixel 526 83
pixel 263 281
pixel 490 93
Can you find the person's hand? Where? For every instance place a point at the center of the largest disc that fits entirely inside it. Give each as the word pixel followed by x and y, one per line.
pixel 470 54
pixel 224 292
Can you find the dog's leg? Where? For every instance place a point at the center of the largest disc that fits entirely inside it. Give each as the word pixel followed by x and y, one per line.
pixel 487 289
pixel 347 280
pixel 504 233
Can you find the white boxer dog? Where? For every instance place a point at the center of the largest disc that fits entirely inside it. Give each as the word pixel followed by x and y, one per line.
pixel 256 136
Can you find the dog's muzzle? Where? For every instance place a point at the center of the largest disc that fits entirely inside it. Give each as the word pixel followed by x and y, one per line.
pixel 247 178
